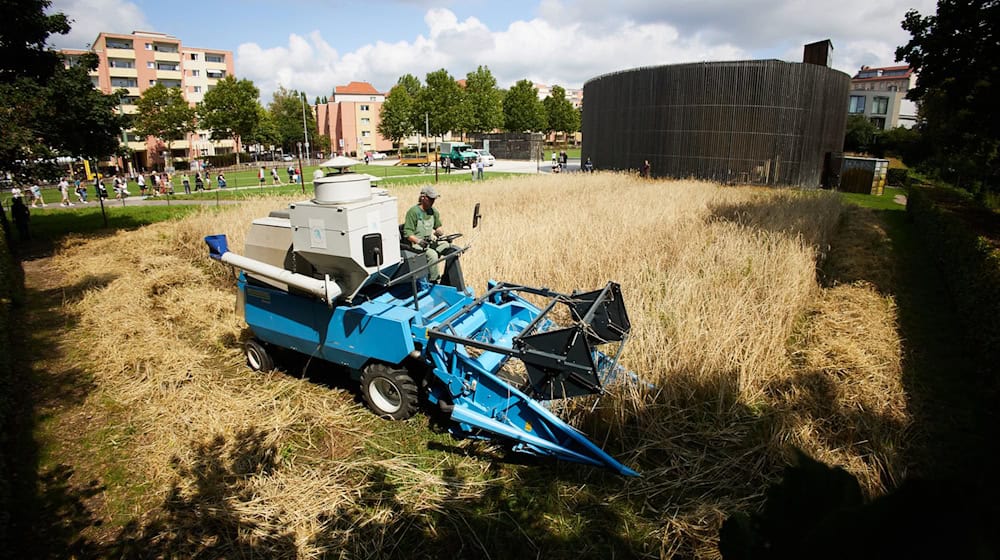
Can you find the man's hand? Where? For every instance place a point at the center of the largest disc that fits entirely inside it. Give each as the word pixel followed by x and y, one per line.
pixel 424 243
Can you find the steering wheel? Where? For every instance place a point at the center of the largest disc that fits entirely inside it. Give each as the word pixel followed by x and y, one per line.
pixel 449 238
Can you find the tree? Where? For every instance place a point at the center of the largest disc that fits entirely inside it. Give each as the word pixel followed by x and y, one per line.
pixel 396 116
pixel 955 53
pixel 522 111
pixel 559 112
pixel 163 113
pixel 286 109
pixel 485 100
pixel 231 110
pixel 441 100
pixel 24 30
pixel 860 135
pixel 47 109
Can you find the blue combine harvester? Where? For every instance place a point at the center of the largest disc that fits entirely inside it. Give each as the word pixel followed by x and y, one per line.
pixel 328 278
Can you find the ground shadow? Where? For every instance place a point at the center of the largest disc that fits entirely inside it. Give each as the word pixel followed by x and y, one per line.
pixel 50 505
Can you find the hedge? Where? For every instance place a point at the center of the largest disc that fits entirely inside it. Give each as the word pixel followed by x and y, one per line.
pixel 972 268
pixel 11 295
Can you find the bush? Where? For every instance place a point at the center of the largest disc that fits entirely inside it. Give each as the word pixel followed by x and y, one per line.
pixel 898 177
pixel 972 268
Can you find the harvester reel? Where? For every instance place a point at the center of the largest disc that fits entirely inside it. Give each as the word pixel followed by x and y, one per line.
pixel 390 393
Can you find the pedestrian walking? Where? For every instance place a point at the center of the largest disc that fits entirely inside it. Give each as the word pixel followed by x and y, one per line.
pixel 479 168
pixel 199 183
pixel 260 176
pixel 221 180
pixel 36 197
pixel 186 181
pixel 141 181
pixel 64 192
pixel 81 191
pixel 275 176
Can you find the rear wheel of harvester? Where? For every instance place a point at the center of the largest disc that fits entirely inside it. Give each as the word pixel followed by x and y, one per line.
pixel 258 358
pixel 390 393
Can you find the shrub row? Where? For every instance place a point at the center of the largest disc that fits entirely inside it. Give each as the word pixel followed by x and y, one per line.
pixel 898 177
pixel 10 292
pixel 972 268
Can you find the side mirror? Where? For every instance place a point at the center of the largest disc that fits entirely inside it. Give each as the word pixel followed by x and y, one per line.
pixel 371 249
pixel 476 216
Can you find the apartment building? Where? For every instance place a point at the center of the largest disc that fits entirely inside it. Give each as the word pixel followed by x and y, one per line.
pixel 879 94
pixel 143 59
pixel 575 96
pixel 351 118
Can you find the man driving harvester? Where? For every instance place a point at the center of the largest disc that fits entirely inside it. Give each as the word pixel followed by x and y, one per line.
pixel 422 228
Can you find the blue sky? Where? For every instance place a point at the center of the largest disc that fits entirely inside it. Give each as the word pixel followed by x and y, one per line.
pixel 313 45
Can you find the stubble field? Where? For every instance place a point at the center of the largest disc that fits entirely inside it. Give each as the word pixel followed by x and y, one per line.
pixel 751 356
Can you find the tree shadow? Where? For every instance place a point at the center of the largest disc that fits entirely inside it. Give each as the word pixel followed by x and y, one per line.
pixel 198 520
pixel 53 508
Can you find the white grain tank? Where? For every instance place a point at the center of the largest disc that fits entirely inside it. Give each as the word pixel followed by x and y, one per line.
pixel 337 230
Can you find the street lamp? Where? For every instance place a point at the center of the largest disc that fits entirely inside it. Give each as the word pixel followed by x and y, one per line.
pixel 305 131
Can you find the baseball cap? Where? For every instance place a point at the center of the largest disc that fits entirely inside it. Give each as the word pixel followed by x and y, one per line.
pixel 429 192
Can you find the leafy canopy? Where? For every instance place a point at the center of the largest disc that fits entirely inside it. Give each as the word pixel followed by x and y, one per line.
pixel 164 113
pixel 955 51
pixel 522 111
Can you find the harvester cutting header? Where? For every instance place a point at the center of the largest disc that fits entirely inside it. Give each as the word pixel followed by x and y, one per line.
pixel 329 278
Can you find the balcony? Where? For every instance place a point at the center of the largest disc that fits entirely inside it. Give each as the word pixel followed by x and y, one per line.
pixel 120 53
pixel 161 56
pixel 168 75
pixel 115 72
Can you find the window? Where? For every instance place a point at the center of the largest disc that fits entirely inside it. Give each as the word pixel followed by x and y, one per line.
pixel 124 82
pixel 149 46
pixel 365 107
pixel 152 82
pixel 168 67
pixel 880 105
pixel 119 44
pixel 214 58
pixel 366 133
pixel 121 63
pixel 194 56
pixel 857 104
pixel 197 89
pixel 366 120
pixel 216 74
pixel 151 64
pixel 196 73
pixel 202 136
pixel 879 122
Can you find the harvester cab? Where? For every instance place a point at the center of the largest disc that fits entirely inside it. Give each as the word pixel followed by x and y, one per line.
pixel 329 278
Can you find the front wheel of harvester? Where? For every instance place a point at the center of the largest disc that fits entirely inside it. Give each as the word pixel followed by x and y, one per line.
pixel 390 393
pixel 258 357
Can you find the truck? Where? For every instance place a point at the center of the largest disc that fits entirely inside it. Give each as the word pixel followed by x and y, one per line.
pixel 459 154
pixel 331 278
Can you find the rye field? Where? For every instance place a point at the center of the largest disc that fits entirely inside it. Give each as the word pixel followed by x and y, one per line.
pixel 751 349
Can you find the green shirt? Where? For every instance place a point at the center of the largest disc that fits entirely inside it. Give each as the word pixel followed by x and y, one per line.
pixel 419 223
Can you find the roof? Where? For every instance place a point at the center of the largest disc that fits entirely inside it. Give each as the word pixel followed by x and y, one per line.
pixel 357 88
pixel 883 73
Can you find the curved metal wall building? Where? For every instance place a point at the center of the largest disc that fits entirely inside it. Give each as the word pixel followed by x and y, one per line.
pixel 757 121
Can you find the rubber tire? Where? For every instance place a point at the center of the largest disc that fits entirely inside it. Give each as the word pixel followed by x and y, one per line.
pixel 258 358
pixel 390 393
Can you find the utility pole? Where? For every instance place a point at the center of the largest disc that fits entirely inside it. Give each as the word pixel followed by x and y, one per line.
pixel 427 132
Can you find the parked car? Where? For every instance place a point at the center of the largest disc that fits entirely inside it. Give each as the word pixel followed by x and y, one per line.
pixel 378 155
pixel 488 159
pixel 287 157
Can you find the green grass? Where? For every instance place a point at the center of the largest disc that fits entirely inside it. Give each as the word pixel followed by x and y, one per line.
pixel 885 201
pixel 51 225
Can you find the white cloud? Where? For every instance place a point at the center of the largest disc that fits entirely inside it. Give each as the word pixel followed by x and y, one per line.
pixel 90 17
pixel 539 50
